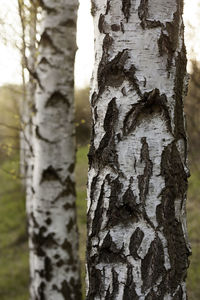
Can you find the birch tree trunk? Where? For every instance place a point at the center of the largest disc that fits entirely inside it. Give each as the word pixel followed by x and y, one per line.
pixel 137 237
pixel 54 257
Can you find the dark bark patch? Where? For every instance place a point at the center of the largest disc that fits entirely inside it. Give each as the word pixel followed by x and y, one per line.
pixel 48 221
pixel 96 224
pixel 69 23
pixel 41 241
pixel 48 269
pixel 109 253
pixel 143 14
pixel 68 247
pixel 129 289
pixel 176 184
pixel 71 224
pixel 135 242
pixel 93 8
pixel 153 264
pixel 178 96
pixel 108 6
pixel 57 99
pixel 47 42
pixel 60 263
pixel 71 168
pixel 101 23
pixel 49 174
pixel 143 180
pixel 106 154
pixel 41 291
pixel 122 209
pixel 151 103
pixel 112 73
pixel 126 6
pixel 50 10
pixel 115 27
pixel 96 284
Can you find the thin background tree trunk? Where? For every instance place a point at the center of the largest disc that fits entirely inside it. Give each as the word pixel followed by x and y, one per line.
pixel 54 235
pixel 137 184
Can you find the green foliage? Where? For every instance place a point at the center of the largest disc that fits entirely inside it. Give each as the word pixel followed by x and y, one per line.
pixel 14 278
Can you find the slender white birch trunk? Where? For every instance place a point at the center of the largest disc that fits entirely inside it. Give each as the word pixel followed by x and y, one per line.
pixel 54 256
pixel 137 184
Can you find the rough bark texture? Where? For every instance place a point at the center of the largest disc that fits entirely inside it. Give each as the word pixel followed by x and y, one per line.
pixel 54 238
pixel 137 184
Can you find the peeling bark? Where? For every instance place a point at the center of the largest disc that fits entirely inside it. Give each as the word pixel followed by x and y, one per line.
pixel 54 262
pixel 137 183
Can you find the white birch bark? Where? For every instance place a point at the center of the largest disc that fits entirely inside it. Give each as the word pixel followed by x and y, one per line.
pixel 137 183
pixel 54 238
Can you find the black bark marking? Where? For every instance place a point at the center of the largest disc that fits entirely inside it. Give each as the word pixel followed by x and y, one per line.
pixel 96 284
pixel 135 242
pixel 151 103
pixel 153 264
pixel 96 224
pixel 122 209
pixel 47 42
pixel 41 241
pixel 93 8
pixel 101 23
pixel 178 97
pixel 143 13
pixel 126 6
pixel 129 289
pixel 48 221
pixel 39 136
pixel 50 10
pixel 112 73
pixel 41 291
pixel 69 290
pixel 115 287
pixel 71 224
pixel 57 99
pixel 176 184
pixel 143 180
pixel 50 174
pixel 47 269
pixel 168 43
pixel 106 154
pixel 108 6
pixel 68 247
pixel 69 23
pixel 115 27
pixel 109 253
pixel 44 61
pixel 71 168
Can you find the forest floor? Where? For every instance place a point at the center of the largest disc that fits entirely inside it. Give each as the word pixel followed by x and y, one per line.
pixel 14 274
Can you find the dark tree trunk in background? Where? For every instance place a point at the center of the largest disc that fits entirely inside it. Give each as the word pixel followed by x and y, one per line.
pixel 55 269
pixel 137 184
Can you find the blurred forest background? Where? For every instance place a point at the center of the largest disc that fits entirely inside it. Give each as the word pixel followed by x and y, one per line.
pixel 14 274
